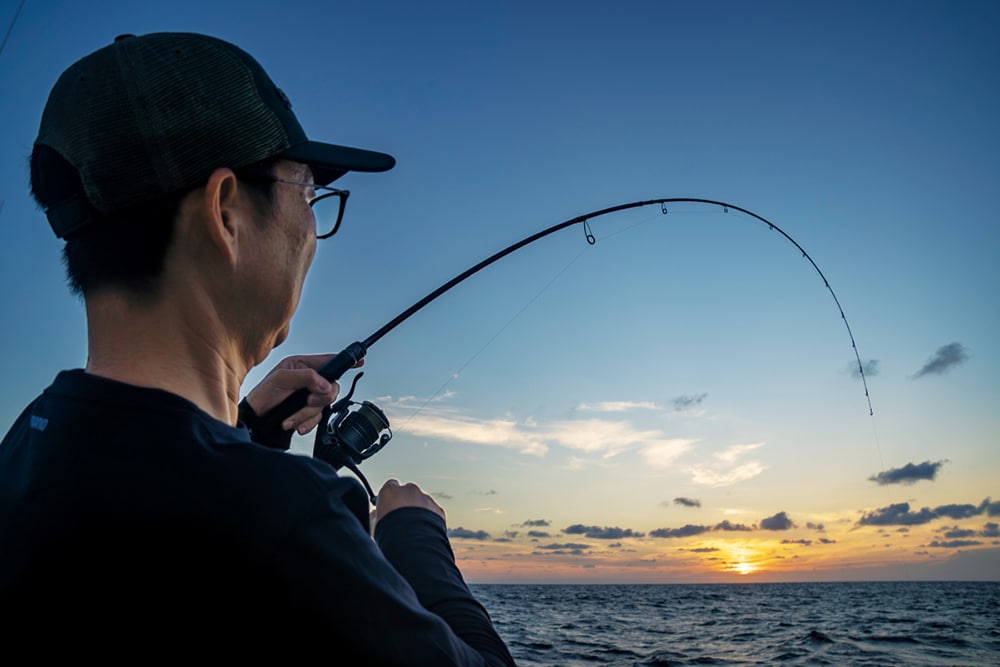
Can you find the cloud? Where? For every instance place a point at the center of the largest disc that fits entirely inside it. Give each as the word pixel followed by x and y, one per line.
pixel 869 367
pixel 960 511
pixel 958 533
pixel 687 502
pixel 603 437
pixel 947 357
pixel 899 514
pixel 989 529
pixel 599 533
pixel 779 521
pixel 908 474
pixel 465 534
pixel 954 544
pixel 535 523
pixel 710 477
pixel 730 454
pixel 687 531
pixel 728 526
pixel 569 548
pixel 662 453
pixel 687 402
pixel 441 495
pixel 617 406
pixel 496 432
pixel 690 530
pixel 805 543
pixel 727 469
pixel 538 533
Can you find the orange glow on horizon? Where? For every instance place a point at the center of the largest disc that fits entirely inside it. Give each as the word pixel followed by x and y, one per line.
pixel 861 555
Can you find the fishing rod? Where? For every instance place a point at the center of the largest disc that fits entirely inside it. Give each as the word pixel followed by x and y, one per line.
pixel 357 431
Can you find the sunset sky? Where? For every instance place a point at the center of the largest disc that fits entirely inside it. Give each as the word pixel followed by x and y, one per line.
pixel 678 402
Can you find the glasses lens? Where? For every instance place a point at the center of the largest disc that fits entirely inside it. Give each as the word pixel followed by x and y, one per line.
pixel 327 209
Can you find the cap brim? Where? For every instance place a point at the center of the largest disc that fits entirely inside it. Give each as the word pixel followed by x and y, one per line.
pixel 329 162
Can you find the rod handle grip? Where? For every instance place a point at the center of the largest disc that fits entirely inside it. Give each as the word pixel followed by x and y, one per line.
pixel 266 428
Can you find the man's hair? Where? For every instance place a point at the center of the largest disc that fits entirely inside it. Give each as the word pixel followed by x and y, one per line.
pixel 126 249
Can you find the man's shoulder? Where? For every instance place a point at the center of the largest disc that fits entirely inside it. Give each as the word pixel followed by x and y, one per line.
pixel 158 461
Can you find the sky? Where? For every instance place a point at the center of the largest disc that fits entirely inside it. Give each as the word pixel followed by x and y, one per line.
pixel 678 402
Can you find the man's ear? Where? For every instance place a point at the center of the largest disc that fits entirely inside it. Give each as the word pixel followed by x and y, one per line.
pixel 222 214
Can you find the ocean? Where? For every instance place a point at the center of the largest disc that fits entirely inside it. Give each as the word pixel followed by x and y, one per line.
pixel 911 624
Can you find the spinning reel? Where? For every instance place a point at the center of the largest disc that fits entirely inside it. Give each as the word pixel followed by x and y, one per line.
pixel 354 432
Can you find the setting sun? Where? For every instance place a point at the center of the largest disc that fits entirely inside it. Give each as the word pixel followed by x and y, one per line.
pixel 742 561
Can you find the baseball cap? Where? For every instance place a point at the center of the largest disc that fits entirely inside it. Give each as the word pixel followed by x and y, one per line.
pixel 155 114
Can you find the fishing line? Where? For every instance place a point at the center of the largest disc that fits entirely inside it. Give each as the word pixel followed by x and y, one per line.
pixel 591 240
pixel 10 28
pixel 269 429
pixel 516 315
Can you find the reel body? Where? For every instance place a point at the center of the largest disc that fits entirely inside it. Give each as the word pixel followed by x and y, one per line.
pixel 353 433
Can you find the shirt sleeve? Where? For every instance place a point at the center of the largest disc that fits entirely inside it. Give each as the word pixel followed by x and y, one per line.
pixel 415 541
pixel 403 604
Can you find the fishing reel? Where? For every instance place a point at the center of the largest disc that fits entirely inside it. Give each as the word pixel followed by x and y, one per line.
pixel 353 432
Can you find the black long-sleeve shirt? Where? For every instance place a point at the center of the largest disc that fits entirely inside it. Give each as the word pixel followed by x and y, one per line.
pixel 129 514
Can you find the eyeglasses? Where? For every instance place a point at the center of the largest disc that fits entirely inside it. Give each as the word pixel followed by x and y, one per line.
pixel 327 208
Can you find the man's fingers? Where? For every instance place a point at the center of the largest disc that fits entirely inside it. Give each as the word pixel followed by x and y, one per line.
pixel 313 361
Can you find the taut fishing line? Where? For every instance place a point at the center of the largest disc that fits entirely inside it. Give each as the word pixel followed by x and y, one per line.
pixel 591 240
pixel 357 431
pixel 485 345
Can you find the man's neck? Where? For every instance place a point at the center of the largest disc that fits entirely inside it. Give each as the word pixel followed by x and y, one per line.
pixel 171 344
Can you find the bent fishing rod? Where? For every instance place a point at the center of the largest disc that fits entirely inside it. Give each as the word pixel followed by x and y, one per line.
pixel 355 432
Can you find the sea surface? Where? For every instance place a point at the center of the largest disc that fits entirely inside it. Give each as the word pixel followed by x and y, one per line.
pixel 911 624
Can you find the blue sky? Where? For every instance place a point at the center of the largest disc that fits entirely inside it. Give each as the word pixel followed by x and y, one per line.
pixel 686 370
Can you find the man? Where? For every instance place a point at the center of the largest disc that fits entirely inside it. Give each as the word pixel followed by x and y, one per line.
pixel 135 509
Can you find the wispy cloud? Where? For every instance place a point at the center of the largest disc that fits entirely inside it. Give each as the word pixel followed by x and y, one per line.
pixel 617 406
pixel 687 402
pixel 687 502
pixel 495 432
pixel 601 437
pixel 870 368
pixel 663 453
pixel 727 469
pixel 947 357
pixel 731 454
pixel 911 473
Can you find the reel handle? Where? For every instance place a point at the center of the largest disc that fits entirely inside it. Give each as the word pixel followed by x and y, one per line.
pixel 267 430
